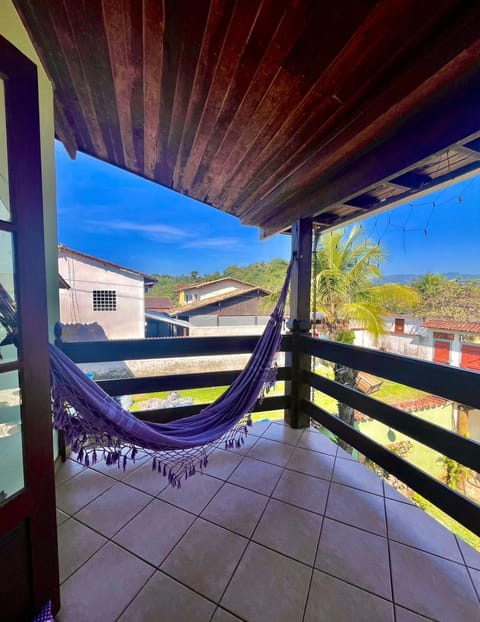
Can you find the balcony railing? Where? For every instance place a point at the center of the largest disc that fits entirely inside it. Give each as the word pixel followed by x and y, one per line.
pixel 455 384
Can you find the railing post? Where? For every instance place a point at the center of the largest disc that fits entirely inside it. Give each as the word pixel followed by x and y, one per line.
pixel 62 446
pixel 300 284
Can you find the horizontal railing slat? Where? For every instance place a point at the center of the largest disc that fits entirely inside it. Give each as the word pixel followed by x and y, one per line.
pixel 165 415
pixel 458 507
pixel 168 347
pixel 176 382
pixel 459 448
pixel 453 383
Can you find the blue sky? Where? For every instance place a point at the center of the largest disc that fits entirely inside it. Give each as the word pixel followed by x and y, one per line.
pixel 117 216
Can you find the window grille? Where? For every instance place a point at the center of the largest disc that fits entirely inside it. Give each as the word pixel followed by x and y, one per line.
pixel 104 300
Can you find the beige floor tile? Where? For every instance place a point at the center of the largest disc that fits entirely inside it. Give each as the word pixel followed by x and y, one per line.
pixel 205 558
pixel 311 463
pixel 341 453
pixel 315 441
pixel 355 556
pixel 333 600
pixel 194 494
pixel 223 616
pixel 475 574
pixel 112 510
pixel 256 475
pixel 392 493
pixel 154 532
pixel 356 475
pixel 289 530
pixel 259 427
pixel 67 470
pixel 283 434
pixel 305 491
pixel 432 586
pixel 76 543
pixel 272 451
pixel 222 463
pixel 357 507
pixel 267 586
pixel 411 525
pixel 236 508
pixel 79 491
pixel 248 442
pixel 471 555
pixel 117 472
pixel 61 517
pixel 403 615
pixel 103 587
pixel 147 480
pixel 164 600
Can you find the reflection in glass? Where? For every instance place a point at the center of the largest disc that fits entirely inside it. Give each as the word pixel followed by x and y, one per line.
pixel 4 191
pixel 11 447
pixel 8 349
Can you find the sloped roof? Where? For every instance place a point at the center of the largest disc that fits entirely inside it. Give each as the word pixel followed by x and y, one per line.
pixel 149 280
pixel 203 283
pixel 158 302
pixel 269 110
pixel 193 306
pixel 469 327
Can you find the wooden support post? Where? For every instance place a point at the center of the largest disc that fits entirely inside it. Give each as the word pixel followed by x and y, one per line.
pixel 62 446
pixel 299 321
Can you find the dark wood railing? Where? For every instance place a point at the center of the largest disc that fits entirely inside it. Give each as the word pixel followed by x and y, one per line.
pixel 172 347
pixel 452 383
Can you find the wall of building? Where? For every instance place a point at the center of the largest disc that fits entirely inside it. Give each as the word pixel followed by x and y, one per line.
pixel 414 341
pixel 13 30
pixel 210 290
pixel 76 304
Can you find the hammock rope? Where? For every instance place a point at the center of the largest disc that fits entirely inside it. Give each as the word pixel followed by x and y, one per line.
pixel 96 426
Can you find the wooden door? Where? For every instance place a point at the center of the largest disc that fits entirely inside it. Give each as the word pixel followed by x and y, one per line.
pixel 28 544
pixel 441 352
pixel 470 357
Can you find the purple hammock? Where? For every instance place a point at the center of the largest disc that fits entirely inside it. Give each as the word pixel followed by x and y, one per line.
pixel 96 426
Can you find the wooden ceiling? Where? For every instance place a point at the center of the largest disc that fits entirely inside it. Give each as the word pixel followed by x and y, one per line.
pixel 270 110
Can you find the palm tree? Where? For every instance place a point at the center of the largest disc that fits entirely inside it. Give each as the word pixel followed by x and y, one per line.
pixel 347 292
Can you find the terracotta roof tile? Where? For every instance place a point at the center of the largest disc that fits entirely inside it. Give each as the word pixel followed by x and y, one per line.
pixel 471 327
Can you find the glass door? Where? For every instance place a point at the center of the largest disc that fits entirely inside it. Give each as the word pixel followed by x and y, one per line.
pixel 28 547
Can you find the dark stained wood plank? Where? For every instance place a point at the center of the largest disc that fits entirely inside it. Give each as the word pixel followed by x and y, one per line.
pixel 368 61
pixel 153 31
pixel 239 30
pixel 123 29
pixel 270 40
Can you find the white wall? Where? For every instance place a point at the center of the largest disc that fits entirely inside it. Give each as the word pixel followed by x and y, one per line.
pixel 414 341
pixel 76 304
pixel 213 290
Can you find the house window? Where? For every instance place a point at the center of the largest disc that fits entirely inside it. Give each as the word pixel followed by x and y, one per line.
pixel 399 325
pixel 104 300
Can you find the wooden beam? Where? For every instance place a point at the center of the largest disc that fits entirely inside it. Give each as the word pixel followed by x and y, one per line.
pixel 300 285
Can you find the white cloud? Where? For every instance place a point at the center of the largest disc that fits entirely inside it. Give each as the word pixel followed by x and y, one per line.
pixel 156 231
pixel 220 243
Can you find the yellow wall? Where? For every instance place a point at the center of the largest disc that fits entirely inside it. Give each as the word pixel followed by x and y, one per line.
pixel 12 29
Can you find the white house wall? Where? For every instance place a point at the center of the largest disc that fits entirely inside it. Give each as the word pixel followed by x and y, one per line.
pixel 414 341
pixel 212 290
pixel 76 304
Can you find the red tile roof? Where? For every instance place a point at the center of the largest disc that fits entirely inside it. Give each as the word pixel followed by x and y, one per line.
pixel 471 327
pixel 158 302
pixel 426 402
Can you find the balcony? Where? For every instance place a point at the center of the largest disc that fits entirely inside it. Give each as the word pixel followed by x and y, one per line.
pixel 288 527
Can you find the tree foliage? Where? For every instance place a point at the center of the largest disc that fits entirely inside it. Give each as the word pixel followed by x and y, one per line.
pixel 269 275
pixel 448 299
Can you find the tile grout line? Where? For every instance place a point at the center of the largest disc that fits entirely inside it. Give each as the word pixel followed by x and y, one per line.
pixel 467 567
pixel 392 591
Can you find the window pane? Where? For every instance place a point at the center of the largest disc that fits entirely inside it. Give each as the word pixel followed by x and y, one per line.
pixel 8 350
pixel 4 195
pixel 11 447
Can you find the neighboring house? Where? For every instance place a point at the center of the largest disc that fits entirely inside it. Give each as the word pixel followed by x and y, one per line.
pixel 404 335
pixel 454 343
pixel 160 304
pixel 235 311
pixel 210 289
pixel 104 300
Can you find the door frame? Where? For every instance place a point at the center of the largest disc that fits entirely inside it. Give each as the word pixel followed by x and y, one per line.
pixel 34 505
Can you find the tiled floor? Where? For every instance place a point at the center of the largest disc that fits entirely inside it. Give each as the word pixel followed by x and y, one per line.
pixel 287 529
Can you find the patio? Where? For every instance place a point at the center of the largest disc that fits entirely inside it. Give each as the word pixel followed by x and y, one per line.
pixel 287 528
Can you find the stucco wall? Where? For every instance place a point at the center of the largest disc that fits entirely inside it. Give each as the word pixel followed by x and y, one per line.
pixel 414 341
pixel 212 290
pixel 76 304
pixel 12 29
